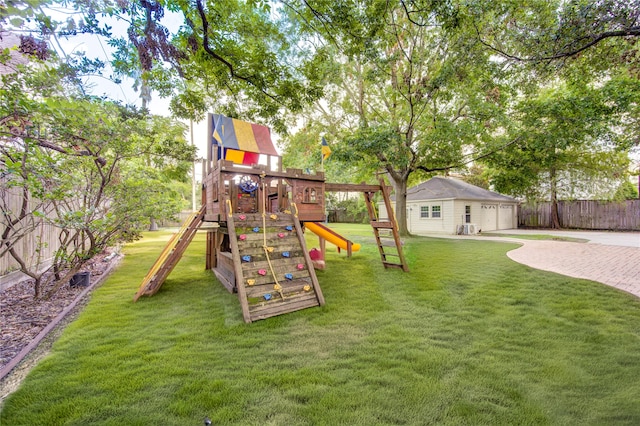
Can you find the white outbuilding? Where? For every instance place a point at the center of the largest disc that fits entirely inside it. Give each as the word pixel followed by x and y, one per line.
pixel 444 205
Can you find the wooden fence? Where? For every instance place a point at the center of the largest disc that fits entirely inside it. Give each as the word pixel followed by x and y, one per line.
pixel 583 214
pixel 36 247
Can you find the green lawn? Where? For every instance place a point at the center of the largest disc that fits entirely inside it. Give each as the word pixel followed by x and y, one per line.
pixel 536 237
pixel 466 337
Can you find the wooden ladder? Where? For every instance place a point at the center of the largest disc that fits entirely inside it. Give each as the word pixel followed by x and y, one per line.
pixel 389 246
pixel 170 256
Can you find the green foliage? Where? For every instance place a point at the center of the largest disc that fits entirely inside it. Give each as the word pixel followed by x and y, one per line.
pixel 466 337
pixel 238 56
pixel 626 191
pixel 477 175
pixel 568 143
pixel 347 209
pixel 411 90
pixel 93 169
pixel 544 32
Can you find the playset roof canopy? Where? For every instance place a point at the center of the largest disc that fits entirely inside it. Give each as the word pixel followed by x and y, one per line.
pixel 240 141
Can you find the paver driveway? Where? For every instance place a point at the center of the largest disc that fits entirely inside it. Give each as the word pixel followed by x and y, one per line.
pixel 617 266
pixel 611 258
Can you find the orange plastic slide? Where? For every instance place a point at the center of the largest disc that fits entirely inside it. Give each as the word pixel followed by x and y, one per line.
pixel 328 234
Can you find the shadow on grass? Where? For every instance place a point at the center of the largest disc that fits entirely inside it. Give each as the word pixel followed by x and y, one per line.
pixel 466 337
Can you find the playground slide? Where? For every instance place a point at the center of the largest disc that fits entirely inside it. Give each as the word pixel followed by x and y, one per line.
pixel 330 235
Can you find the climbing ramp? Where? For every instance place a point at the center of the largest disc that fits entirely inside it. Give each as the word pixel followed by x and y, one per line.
pixel 273 271
pixel 170 256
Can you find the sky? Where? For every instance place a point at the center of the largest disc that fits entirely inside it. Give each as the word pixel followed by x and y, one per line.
pixel 95 46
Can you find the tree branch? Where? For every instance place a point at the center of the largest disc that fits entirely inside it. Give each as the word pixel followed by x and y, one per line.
pixel 229 65
pixel 464 163
pixel 632 31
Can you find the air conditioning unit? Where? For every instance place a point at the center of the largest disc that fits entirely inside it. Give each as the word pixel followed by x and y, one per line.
pixel 470 229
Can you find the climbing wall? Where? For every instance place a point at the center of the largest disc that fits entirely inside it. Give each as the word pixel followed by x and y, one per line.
pixel 273 272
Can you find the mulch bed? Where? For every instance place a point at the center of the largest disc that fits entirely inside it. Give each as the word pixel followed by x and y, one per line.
pixel 23 317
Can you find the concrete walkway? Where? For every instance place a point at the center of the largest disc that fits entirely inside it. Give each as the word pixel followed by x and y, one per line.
pixel 611 258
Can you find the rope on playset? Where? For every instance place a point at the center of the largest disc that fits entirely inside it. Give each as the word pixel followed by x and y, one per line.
pixel 277 287
pixel 229 208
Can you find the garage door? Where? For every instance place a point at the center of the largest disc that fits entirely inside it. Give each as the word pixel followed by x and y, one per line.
pixel 505 217
pixel 489 217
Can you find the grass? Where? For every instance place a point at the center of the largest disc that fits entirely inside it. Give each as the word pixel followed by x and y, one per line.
pixel 536 237
pixel 466 337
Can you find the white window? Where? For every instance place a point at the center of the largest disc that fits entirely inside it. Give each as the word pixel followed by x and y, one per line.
pixel 467 214
pixel 424 212
pixel 435 211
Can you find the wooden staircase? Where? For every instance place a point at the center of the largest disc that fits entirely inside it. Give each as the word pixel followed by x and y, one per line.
pixel 386 232
pixel 170 256
pixel 273 272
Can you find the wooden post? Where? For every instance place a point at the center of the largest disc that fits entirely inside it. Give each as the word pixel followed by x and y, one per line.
pixel 209 142
pixel 310 268
pixel 237 266
pixel 212 249
pixel 323 247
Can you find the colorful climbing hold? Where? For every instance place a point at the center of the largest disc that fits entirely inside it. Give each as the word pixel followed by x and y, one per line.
pixel 246 258
pixel 267 296
pixel 286 254
pixel 242 217
pixel 256 229
pixel 274 216
pixel 242 237
pixel 306 288
pixel 251 281
pixel 280 235
pixel 289 228
pixel 300 266
pixel 270 249
pixel 287 211
pixel 288 276
pixel 262 272
pixel 277 287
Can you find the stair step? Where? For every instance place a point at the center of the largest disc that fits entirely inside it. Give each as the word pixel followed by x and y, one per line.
pixel 391 254
pixel 381 225
pixel 393 265
pixel 388 243
pixel 170 256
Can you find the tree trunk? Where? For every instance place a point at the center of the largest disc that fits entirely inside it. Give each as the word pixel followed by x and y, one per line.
pixel 555 217
pixel 36 287
pixel 153 226
pixel 400 186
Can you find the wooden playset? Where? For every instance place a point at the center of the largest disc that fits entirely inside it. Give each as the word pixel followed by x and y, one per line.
pixel 254 213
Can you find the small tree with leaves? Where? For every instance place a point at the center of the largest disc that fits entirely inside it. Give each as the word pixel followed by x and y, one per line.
pixel 79 158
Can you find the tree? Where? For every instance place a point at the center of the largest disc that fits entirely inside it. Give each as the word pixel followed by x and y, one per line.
pixel 544 32
pixel 626 191
pixel 74 161
pixel 412 92
pixel 568 136
pixel 236 56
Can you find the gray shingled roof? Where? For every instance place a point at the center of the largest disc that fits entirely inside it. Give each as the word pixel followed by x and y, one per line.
pixel 439 188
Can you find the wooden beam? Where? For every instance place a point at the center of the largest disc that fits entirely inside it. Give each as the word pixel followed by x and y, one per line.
pixel 351 187
pixel 229 167
pixel 237 266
